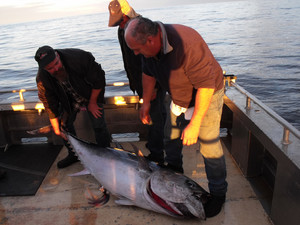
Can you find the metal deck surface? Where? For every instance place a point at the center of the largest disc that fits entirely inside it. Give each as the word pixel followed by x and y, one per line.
pixel 61 199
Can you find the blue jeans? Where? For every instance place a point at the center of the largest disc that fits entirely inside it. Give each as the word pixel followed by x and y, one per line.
pixel 210 146
pixel 99 125
pixel 155 139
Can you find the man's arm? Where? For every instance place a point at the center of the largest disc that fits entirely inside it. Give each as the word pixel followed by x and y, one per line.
pixel 191 132
pixel 93 106
pixel 148 88
pixel 56 128
pixel 50 102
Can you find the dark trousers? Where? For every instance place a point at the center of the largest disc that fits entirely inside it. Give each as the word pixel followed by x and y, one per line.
pixel 155 140
pixel 210 145
pixel 102 135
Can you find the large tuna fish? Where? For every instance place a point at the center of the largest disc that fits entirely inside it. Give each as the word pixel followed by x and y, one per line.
pixel 136 181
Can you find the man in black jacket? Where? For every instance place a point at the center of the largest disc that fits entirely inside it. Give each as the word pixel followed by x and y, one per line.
pixel 69 80
pixel 120 12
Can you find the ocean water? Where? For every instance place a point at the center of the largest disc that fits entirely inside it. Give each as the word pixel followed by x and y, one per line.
pixel 258 41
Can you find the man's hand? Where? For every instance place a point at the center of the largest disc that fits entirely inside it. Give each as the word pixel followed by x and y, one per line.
pixel 149 94
pixel 190 134
pixel 144 113
pixel 93 106
pixel 62 134
pixel 56 128
pixel 95 110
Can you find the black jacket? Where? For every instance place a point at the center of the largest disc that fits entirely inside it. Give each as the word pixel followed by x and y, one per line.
pixel 132 65
pixel 85 74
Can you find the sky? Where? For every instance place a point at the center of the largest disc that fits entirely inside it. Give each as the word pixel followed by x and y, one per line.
pixel 18 11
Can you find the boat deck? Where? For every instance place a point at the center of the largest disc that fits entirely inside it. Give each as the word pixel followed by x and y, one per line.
pixel 61 199
pixel 263 147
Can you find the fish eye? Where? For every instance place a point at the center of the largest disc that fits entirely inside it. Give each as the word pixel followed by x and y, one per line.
pixel 191 184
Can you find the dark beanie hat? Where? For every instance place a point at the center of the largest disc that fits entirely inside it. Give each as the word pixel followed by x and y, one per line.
pixel 44 55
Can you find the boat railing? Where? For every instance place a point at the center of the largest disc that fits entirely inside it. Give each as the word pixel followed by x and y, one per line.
pixel 18 104
pixel 21 91
pixel 230 81
pixel 287 127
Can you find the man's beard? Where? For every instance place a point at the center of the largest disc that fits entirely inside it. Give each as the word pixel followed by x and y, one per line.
pixel 61 74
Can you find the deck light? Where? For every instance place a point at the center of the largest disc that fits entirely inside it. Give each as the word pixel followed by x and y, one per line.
pixel 119 100
pixel 39 107
pixel 18 107
pixel 119 84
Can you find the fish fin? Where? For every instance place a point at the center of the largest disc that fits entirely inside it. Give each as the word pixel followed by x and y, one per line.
pixel 83 172
pixel 42 130
pixel 143 163
pixel 96 200
pixel 123 201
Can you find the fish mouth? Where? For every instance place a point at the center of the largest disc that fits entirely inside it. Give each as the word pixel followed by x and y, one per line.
pixel 166 205
pixel 172 208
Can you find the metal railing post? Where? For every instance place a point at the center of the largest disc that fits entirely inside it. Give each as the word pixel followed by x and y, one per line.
pixel 248 102
pixel 286 134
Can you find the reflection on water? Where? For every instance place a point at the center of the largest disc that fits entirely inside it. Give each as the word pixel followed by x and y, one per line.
pixel 256 40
